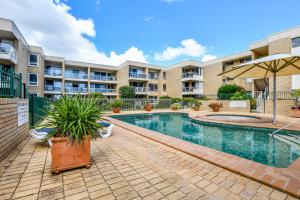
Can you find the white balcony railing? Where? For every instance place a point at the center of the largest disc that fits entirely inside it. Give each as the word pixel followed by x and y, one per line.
pixel 137 75
pixel 8 49
pixel 76 75
pixel 103 78
pixel 103 90
pixel 190 75
pixel 53 72
pixel 153 76
pixel 52 88
pixel 140 89
pixel 191 90
pixel 75 89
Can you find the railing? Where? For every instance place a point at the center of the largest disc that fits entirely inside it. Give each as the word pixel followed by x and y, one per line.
pixel 75 90
pixel 152 89
pixel 137 75
pixel 191 89
pixel 190 74
pixel 140 89
pixel 10 83
pixel 8 50
pixel 135 104
pixel 153 76
pixel 52 88
pixel 76 75
pixel 38 107
pixel 103 78
pixel 103 90
pixel 53 72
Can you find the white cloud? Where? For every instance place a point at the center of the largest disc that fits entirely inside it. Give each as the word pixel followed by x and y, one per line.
pixel 148 18
pixel 51 26
pixel 170 1
pixel 189 47
pixel 208 57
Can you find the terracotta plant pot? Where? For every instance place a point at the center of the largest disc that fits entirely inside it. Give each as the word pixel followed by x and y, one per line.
pixel 196 108
pixel 116 110
pixel 66 155
pixel 216 109
pixel 296 113
pixel 173 108
pixel 148 107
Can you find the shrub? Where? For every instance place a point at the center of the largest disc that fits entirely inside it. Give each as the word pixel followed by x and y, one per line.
pixel 188 101
pixel 97 95
pixel 116 104
pixel 165 97
pixel 240 96
pixel 228 90
pixel 253 104
pixel 73 117
pixel 126 92
pixel 176 100
pixel 175 106
pixel 296 95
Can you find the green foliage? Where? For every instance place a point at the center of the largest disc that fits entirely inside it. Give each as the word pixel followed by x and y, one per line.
pixel 176 106
pixel 175 100
pixel 197 103
pixel 73 117
pixel 296 95
pixel 253 104
pixel 97 95
pixel 116 104
pixel 163 103
pixel 126 92
pixel 227 91
pixel 240 96
pixel 165 97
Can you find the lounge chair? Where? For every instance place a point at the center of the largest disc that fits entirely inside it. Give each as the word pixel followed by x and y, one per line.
pixel 40 134
pixel 108 132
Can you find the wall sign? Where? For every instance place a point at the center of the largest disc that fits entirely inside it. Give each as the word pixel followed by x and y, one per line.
pixel 237 104
pixel 22 113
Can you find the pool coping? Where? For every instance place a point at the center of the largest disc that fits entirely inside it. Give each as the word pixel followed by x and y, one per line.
pixel 284 179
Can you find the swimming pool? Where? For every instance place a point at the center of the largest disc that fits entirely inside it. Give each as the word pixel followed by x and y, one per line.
pixel 247 142
pixel 232 117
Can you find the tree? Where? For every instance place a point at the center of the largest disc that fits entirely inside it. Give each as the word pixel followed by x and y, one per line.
pixel 126 92
pixel 228 90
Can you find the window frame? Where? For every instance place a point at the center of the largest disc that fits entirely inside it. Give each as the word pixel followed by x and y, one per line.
pixel 37 60
pixel 37 79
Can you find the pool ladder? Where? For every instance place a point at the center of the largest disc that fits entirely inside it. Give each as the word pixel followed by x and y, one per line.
pixel 298 120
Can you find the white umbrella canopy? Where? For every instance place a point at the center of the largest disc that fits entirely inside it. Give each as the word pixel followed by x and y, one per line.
pixel 269 66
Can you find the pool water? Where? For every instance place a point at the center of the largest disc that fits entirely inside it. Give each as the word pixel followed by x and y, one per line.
pixel 247 142
pixel 232 117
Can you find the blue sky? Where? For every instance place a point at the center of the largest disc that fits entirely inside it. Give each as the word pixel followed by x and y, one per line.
pixel 211 27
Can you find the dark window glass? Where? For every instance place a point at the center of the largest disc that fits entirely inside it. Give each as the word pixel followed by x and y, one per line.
pixel 33 59
pixel 32 79
pixel 296 42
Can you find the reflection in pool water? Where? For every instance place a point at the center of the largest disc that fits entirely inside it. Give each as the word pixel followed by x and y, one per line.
pixel 247 142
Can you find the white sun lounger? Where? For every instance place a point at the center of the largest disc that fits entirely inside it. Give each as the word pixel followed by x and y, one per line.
pixel 40 134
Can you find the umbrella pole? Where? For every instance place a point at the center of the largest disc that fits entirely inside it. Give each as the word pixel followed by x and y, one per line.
pixel 274 98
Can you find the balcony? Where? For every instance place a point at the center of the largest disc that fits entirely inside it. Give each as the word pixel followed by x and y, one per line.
pixel 141 90
pixel 53 72
pixel 76 90
pixel 192 76
pixel 138 76
pixel 104 90
pixel 191 90
pixel 103 78
pixel 52 88
pixel 153 76
pixel 72 75
pixel 8 53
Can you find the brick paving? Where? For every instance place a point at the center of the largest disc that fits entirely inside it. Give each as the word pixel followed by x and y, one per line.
pixel 125 166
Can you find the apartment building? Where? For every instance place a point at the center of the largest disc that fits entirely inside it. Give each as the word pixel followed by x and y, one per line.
pixel 51 76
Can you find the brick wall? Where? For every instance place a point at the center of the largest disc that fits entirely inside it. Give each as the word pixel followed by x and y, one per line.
pixel 226 106
pixel 10 134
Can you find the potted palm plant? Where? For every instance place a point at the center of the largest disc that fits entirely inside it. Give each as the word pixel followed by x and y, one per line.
pixel 197 105
pixel 175 106
pixel 296 108
pixel 73 124
pixel 215 106
pixel 116 106
pixel 148 107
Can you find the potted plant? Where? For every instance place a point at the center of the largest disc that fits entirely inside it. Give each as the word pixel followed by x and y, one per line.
pixel 116 106
pixel 73 123
pixel 215 106
pixel 197 104
pixel 296 108
pixel 148 107
pixel 175 106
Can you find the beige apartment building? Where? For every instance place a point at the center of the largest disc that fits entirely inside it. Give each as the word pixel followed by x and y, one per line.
pixel 51 76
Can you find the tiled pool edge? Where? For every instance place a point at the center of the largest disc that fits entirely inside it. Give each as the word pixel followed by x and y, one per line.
pixel 284 179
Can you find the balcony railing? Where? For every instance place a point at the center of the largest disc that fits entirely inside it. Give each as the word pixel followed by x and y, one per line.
pixel 52 88
pixel 140 89
pixel 53 72
pixel 190 74
pixel 103 90
pixel 103 78
pixel 191 89
pixel 153 76
pixel 76 75
pixel 137 75
pixel 75 89
pixel 8 50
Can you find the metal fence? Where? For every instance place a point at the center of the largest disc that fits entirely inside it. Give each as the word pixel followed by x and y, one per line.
pixel 38 107
pixel 10 83
pixel 135 104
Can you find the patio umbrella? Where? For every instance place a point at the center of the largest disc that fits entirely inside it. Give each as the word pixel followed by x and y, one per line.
pixel 269 66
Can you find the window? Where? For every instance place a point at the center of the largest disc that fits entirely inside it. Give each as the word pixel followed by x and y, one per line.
pixel 164 87
pixel 153 87
pixel 164 75
pixel 32 79
pixel 296 42
pixel 33 59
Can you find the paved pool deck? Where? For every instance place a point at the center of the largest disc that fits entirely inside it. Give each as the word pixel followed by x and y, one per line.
pixel 125 166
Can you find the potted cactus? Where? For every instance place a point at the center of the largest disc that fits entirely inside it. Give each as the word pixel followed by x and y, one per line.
pixel 73 124
pixel 175 106
pixel 116 106
pixel 148 107
pixel 296 108
pixel 215 106
pixel 197 105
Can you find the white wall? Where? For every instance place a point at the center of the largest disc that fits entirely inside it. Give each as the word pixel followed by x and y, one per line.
pixel 295 82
